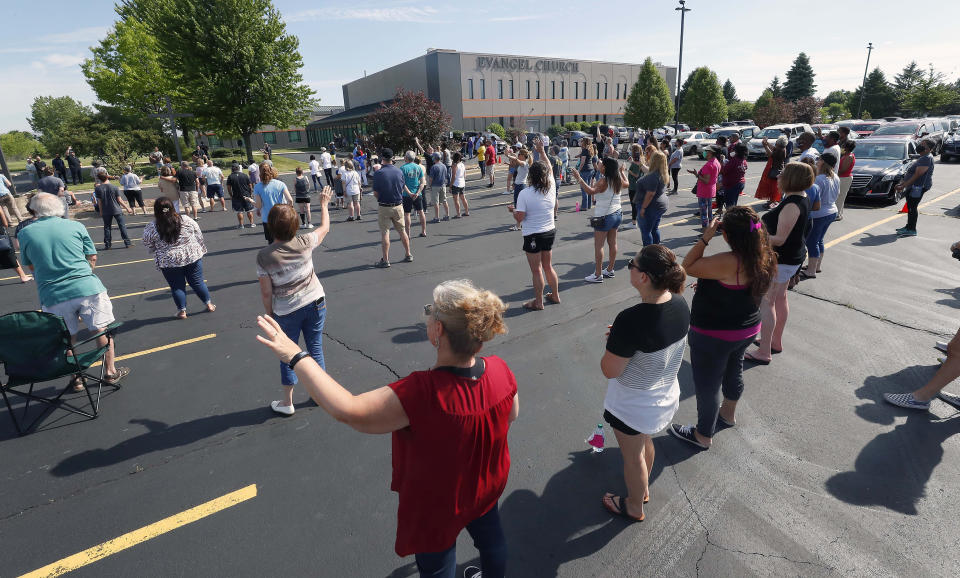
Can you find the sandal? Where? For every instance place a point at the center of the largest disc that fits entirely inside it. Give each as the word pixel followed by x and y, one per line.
pixel 113 379
pixel 77 384
pixel 617 508
pixel 749 357
pixel 804 275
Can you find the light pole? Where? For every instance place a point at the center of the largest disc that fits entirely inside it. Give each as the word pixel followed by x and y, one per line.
pixel 676 99
pixel 863 87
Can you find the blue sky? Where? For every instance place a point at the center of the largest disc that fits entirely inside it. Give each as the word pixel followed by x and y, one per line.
pixel 746 41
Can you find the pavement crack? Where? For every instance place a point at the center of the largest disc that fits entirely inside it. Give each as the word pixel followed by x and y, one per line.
pixel 362 353
pixel 876 316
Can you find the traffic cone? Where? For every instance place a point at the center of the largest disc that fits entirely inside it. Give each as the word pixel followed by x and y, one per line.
pixel 596 439
pixel 904 209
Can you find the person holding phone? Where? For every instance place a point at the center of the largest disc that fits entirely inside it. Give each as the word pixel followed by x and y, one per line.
pixel 917 181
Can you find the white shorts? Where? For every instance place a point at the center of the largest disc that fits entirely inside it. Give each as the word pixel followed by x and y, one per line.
pixel 96 311
pixel 785 272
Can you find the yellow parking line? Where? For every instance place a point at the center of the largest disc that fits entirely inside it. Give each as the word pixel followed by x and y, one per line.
pixel 98 267
pixel 161 348
pixel 130 539
pixel 897 215
pixel 146 292
pixel 121 240
pixel 126 224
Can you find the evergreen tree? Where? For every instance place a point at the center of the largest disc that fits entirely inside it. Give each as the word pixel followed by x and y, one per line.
pixel 649 104
pixel 799 82
pixel 704 104
pixel 729 92
pixel 930 94
pixel 878 96
pixel 775 88
pixel 904 82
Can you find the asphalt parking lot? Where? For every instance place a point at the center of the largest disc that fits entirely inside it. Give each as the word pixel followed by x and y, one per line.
pixel 819 478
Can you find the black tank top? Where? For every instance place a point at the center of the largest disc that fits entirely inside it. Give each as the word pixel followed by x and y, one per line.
pixel 793 251
pixel 723 307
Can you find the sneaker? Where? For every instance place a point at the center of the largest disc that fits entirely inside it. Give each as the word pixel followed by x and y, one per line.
pixel 905 400
pixel 423 234
pixel 446 218
pixel 281 409
pixel 472 572
pixel 253 225
pixel 456 217
pixel 607 273
pixel 435 221
pixel 349 219
pixel 908 233
pixel 240 226
pixel 309 225
pixel 950 398
pixel 358 218
pixel 408 259
pixel 381 264
pixel 900 230
pixel 593 279
pixel 941 346
pixel 507 193
pixel 685 433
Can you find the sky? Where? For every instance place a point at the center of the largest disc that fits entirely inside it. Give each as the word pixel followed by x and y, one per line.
pixel 747 41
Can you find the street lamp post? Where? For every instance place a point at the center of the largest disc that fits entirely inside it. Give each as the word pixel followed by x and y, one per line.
pixel 676 99
pixel 863 87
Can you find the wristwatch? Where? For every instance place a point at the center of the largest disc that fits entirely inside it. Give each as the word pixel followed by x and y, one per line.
pixel 296 359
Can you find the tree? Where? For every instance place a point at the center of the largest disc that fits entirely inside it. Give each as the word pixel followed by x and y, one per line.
pixel 19 144
pixel 772 110
pixel 704 104
pixel 409 116
pixel 930 94
pixel 248 78
pixel 837 111
pixel 497 129
pixel 807 110
pixel 878 97
pixel 904 82
pixel 799 82
pixel 775 88
pixel 729 92
pixel 841 96
pixel 572 126
pixel 49 114
pixel 740 110
pixel 648 105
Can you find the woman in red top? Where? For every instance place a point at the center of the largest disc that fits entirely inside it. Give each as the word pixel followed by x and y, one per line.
pixel 449 425
pixel 845 172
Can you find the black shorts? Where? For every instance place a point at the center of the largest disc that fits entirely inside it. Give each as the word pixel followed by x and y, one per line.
pixel 410 204
pixel 618 425
pixel 241 204
pixel 539 241
pixel 456 190
pixel 302 200
pixel 214 191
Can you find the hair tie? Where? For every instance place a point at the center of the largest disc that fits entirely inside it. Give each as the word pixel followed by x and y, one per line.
pixel 165 209
pixel 756 226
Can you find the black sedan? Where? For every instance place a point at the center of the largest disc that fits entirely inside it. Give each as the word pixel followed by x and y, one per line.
pixel 881 165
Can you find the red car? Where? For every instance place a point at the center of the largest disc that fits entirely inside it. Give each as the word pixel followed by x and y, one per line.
pixel 866 128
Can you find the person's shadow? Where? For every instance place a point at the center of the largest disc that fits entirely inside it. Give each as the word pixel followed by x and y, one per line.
pixel 893 469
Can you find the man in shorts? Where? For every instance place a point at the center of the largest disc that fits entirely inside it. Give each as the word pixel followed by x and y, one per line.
pixel 214 177
pixel 388 188
pixel 241 195
pixel 189 183
pixel 61 255
pixel 438 188
pixel 414 182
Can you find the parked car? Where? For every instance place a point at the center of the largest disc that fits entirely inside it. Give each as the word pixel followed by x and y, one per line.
pixel 823 128
pixel 573 137
pixel 951 146
pixel 528 138
pixel 933 128
pixel 728 123
pixel 866 128
pixel 747 133
pixel 882 163
pixel 892 118
pixel 501 143
pixel 773 132
pixel 848 122
pixel 694 141
pixel 747 122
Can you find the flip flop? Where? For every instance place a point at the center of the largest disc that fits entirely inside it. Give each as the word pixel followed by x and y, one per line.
pixel 749 357
pixel 772 350
pixel 617 509
pixel 805 275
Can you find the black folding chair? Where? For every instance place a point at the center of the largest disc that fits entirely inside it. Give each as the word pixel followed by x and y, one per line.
pixel 35 348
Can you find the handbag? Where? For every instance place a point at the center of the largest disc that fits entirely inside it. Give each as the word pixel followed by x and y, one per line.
pixel 596 222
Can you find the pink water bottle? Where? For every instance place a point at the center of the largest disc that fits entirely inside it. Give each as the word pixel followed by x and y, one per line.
pixel 596 439
pixel 578 206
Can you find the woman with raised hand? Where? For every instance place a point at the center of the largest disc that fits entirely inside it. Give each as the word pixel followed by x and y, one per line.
pixel 607 215
pixel 724 317
pixel 822 215
pixel 769 188
pixel 177 244
pixel 534 213
pixel 644 352
pixel 449 425
pixel 587 168
pixel 786 225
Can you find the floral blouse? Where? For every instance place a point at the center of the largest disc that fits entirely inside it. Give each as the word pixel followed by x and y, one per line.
pixel 187 249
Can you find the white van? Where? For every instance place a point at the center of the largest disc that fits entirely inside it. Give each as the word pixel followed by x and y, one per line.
pixel 772 133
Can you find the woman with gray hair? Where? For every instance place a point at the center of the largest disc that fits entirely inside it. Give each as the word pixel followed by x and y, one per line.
pixel 131 189
pixel 449 424
pixel 768 188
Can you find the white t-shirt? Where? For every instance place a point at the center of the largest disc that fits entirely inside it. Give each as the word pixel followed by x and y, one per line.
pixel 351 182
pixel 459 176
pixel 522 171
pixel 834 150
pixel 326 161
pixel 340 171
pixel 214 175
pixel 130 182
pixel 537 209
pixel 607 202
pixel 810 153
pixel 314 167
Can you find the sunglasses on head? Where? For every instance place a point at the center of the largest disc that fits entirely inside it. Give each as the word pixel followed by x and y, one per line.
pixel 428 309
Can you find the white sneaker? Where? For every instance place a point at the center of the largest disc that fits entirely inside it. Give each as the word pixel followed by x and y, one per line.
pixel 472 572
pixel 253 225
pixel 240 226
pixel 941 346
pixel 593 279
pixel 281 409
pixel 309 225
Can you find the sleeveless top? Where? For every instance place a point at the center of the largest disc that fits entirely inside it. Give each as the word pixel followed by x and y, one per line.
pixel 727 312
pixel 848 172
pixel 793 251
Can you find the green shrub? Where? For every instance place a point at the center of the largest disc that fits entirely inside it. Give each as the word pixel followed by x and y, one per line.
pixel 221 153
pixel 238 152
pixel 572 126
pixel 554 131
pixel 497 129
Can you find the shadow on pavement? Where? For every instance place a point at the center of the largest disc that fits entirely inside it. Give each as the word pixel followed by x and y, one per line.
pixel 409 333
pixel 954 294
pixel 871 240
pixel 893 469
pixel 158 438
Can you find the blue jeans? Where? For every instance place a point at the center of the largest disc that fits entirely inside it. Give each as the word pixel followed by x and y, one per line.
pixel 706 210
pixel 586 201
pixel 729 197
pixel 315 178
pixel 309 320
pixel 818 229
pixel 108 229
pixel 650 225
pixel 178 277
pixel 489 540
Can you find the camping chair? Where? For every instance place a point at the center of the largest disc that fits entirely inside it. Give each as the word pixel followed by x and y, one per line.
pixel 34 348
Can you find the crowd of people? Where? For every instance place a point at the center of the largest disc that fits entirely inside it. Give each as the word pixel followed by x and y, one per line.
pixel 450 423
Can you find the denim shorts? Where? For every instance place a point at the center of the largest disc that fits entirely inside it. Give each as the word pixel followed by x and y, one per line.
pixel 610 222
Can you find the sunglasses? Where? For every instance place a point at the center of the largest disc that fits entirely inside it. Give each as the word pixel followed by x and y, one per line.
pixel 633 266
pixel 428 309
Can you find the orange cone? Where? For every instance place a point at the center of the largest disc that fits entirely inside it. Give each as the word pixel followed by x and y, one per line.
pixel 904 209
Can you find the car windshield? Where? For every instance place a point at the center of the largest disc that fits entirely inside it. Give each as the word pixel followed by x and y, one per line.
pixel 770 133
pixel 725 133
pixel 685 135
pixel 896 129
pixel 866 127
pixel 881 151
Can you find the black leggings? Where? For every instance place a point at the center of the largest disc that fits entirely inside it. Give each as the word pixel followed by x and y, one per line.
pixel 674 173
pixel 717 366
pixel 134 197
pixel 633 205
pixel 912 211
